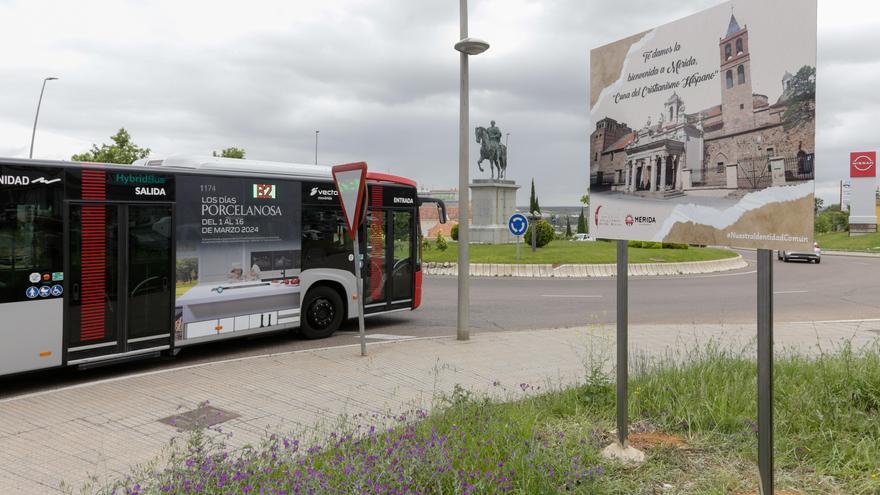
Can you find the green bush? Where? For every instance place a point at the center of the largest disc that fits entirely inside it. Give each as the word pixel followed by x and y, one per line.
pixel 426 244
pixel 673 245
pixel 634 244
pixel 822 224
pixel 441 242
pixel 545 233
pixel 454 232
pixel 645 244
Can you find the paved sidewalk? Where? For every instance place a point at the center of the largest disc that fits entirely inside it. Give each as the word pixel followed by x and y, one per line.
pixel 104 428
pixel 600 270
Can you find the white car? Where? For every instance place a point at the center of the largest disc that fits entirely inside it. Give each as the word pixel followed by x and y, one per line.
pixel 584 237
pixel 814 256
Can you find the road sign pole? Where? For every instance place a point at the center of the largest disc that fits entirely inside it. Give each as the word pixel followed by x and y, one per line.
pixel 517 249
pixel 765 370
pixel 359 295
pixel 622 342
pixel 350 181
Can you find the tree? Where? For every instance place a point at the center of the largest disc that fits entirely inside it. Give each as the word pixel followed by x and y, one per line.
pixel 441 242
pixel 582 223
pixel 231 152
pixel 585 199
pixel 123 150
pixel 533 200
pixel 537 205
pixel 819 204
pixel 567 226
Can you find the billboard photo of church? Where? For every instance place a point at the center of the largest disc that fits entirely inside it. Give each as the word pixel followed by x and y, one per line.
pixel 703 129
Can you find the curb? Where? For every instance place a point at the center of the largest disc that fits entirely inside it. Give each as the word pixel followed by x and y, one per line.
pixel 854 254
pixel 585 271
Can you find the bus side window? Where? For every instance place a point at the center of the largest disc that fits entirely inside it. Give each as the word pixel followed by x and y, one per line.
pixel 30 236
pixel 325 243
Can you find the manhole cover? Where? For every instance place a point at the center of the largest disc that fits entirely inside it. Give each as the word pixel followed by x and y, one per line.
pixel 202 417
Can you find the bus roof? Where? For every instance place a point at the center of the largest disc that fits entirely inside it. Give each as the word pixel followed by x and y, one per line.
pixel 222 165
pixel 244 165
pixel 215 163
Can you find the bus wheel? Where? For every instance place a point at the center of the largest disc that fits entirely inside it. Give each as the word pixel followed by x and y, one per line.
pixel 322 313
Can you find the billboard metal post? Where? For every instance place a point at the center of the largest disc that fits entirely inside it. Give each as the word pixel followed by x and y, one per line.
pixel 765 370
pixel 360 294
pixel 622 342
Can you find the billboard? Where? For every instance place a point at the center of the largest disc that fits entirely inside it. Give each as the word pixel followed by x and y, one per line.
pixel 704 128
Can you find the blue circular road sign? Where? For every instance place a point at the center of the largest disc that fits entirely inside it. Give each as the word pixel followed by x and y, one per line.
pixel 518 224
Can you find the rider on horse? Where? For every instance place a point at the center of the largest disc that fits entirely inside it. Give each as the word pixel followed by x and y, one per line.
pixel 494 135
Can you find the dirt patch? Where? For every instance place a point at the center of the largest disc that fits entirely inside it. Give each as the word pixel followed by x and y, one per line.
pixel 655 439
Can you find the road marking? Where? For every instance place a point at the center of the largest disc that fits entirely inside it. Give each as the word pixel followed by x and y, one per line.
pixel 571 295
pixel 386 336
pixel 791 292
pixel 687 277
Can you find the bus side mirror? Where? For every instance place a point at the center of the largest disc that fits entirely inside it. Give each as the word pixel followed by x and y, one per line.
pixel 441 207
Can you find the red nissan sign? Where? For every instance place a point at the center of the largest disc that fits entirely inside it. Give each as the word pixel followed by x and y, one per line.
pixel 863 164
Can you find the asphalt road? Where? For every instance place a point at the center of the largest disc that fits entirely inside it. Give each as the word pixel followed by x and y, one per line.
pixel 840 288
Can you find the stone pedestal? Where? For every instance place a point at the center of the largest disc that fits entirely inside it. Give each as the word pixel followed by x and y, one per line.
pixel 493 201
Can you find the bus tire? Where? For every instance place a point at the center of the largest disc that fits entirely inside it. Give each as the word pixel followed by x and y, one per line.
pixel 322 313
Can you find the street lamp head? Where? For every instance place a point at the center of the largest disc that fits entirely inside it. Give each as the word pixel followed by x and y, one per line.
pixel 472 46
pixel 51 79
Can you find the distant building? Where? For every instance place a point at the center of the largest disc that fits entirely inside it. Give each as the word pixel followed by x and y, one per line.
pixel 429 218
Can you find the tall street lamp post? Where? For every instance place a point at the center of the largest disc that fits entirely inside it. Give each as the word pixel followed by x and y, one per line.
pixel 316 147
pixel 467 46
pixel 37 116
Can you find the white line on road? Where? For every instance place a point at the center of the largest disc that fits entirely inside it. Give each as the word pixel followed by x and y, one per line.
pixel 571 295
pixel 386 336
pixel 791 292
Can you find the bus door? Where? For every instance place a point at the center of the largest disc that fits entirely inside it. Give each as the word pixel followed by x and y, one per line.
pixel 389 267
pixel 120 295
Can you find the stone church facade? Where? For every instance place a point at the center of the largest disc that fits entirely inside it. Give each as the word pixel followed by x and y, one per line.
pixel 743 143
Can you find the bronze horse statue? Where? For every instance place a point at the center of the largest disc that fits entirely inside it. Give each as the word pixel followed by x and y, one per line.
pixel 497 157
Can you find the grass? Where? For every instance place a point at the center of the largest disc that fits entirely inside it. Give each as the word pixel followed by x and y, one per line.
pixel 694 415
pixel 570 252
pixel 841 241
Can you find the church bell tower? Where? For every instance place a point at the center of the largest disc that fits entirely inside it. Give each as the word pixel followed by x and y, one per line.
pixel 737 105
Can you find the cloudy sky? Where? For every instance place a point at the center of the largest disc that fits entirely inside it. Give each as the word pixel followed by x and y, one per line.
pixel 378 78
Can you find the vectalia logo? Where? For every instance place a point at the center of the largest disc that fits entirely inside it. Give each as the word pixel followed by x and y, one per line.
pixel 630 220
pixel 323 192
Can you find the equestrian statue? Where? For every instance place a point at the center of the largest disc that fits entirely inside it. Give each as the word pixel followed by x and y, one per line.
pixel 492 149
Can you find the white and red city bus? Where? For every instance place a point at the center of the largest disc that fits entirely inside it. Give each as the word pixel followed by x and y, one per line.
pixel 100 263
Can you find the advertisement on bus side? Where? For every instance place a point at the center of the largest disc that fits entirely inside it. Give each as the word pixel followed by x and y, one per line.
pixel 238 255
